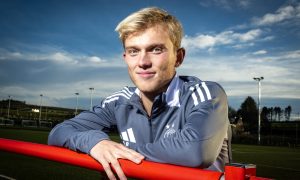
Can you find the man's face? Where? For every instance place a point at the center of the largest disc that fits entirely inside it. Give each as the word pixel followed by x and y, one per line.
pixel 151 59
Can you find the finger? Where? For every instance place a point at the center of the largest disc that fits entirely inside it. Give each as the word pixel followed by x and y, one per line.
pixel 126 153
pixel 131 151
pixel 108 170
pixel 116 165
pixel 136 154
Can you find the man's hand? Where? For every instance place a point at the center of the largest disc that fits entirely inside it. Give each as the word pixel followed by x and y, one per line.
pixel 108 152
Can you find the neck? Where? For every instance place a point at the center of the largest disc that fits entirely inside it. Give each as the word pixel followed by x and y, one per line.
pixel 147 101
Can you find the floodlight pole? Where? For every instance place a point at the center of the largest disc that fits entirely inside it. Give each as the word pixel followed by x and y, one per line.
pixel 76 103
pixel 39 123
pixel 258 79
pixel 91 98
pixel 8 109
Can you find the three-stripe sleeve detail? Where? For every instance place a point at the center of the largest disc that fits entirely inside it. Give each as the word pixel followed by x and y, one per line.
pixel 126 93
pixel 200 93
pixel 206 90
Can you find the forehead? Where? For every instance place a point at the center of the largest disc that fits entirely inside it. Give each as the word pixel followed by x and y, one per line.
pixel 153 35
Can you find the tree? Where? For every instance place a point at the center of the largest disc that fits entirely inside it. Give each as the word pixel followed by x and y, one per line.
pixel 287 112
pixel 265 114
pixel 278 113
pixel 232 114
pixel 271 113
pixel 249 112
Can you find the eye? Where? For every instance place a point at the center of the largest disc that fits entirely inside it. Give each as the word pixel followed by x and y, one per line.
pixel 157 50
pixel 132 52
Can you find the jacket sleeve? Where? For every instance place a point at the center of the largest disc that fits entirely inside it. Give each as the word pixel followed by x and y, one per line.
pixel 199 142
pixel 82 132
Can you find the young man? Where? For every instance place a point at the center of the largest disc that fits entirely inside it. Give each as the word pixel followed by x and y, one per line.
pixel 166 118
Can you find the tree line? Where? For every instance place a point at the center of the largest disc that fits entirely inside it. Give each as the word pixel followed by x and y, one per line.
pixel 248 113
pixel 276 113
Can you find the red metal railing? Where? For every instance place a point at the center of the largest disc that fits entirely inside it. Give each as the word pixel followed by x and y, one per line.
pixel 144 170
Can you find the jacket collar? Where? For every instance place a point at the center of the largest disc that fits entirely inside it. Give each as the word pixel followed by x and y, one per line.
pixel 172 94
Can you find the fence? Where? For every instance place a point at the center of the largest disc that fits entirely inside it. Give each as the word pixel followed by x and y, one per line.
pixel 34 123
pixel 6 122
pixel 145 170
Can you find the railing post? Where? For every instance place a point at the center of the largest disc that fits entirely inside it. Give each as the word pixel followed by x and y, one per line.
pixel 239 171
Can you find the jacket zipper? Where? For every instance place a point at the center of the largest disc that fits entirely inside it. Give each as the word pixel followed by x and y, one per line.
pixel 149 121
pixel 151 131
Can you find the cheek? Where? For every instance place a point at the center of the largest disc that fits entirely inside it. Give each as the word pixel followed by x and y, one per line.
pixel 130 69
pixel 130 63
pixel 168 64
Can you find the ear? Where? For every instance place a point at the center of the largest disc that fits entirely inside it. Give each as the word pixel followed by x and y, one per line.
pixel 124 55
pixel 180 56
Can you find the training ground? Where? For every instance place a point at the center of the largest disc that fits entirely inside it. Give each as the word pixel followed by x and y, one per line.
pixel 271 162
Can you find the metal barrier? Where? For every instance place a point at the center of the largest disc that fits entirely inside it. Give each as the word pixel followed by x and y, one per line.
pixel 6 122
pixel 144 170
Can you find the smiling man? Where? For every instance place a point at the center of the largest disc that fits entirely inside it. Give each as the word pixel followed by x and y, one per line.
pixel 166 118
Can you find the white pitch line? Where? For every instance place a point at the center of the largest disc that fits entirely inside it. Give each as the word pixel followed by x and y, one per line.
pixel 6 177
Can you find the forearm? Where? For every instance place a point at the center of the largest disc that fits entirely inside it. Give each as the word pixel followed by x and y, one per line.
pixel 68 136
pixel 80 133
pixel 183 149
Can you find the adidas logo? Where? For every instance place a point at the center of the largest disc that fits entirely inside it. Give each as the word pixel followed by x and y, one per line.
pixel 128 136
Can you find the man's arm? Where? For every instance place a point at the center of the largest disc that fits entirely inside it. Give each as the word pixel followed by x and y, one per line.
pixel 200 140
pixel 84 133
pixel 80 133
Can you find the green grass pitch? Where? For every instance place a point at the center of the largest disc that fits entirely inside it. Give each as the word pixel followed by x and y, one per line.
pixel 271 162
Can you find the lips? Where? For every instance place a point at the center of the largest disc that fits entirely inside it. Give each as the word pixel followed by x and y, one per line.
pixel 146 74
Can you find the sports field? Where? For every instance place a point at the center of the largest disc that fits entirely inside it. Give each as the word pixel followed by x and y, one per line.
pixel 272 162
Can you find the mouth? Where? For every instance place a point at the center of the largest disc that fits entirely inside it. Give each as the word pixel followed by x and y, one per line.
pixel 146 74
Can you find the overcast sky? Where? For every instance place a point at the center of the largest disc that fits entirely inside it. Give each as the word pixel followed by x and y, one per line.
pixel 57 48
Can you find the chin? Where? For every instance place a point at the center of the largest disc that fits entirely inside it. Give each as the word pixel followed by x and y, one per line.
pixel 146 88
pixel 150 89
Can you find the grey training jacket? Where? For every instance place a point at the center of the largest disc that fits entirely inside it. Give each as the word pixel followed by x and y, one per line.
pixel 188 125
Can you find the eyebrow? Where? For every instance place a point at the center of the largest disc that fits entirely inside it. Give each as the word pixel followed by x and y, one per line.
pixel 151 46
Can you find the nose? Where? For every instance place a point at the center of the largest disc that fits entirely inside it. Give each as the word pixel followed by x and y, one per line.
pixel 144 60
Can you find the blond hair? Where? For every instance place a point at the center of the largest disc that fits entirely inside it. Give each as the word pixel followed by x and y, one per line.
pixel 149 17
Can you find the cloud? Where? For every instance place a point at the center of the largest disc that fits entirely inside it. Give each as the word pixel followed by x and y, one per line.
pixel 286 58
pixel 226 4
pixel 55 56
pixel 200 41
pixel 235 72
pixel 284 13
pixel 260 52
pixel 54 93
pixel 95 59
pixel 292 55
pixel 59 57
pixel 204 41
pixel 249 36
